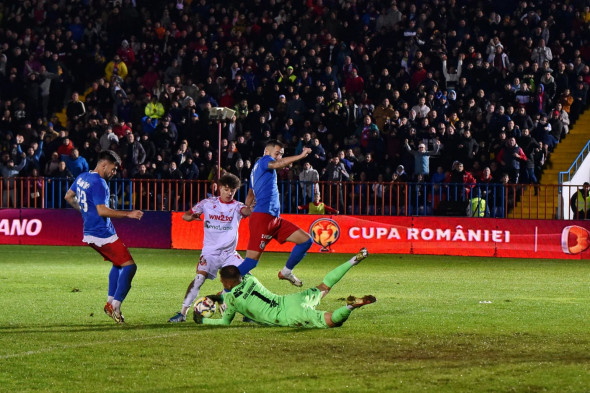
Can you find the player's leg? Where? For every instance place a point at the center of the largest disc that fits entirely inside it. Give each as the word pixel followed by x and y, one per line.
pixel 302 242
pixel 260 234
pixel 191 294
pixel 113 279
pixel 250 262
pixel 120 276
pixel 336 274
pixel 207 268
pixel 340 315
pixel 126 275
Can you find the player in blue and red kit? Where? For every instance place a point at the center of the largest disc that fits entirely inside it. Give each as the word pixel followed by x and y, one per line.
pixel 89 194
pixel 265 221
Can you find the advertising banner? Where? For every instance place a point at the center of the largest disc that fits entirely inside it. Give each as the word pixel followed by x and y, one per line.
pixel 64 228
pixel 420 235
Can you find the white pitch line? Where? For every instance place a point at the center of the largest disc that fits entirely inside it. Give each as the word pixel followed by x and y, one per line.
pixel 50 349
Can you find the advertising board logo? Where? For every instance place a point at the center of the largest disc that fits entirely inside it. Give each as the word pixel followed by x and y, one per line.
pixel 574 239
pixel 23 227
pixel 324 232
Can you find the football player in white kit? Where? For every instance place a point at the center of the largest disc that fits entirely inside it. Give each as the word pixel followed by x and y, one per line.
pixel 221 217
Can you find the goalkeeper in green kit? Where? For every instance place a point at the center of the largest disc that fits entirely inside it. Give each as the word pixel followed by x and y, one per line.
pixel 250 298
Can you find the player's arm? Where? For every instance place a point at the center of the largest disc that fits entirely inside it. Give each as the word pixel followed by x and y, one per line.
pixel 190 216
pixel 246 211
pixel 225 320
pixel 105 211
pixel 250 198
pixel 330 210
pixel 72 200
pixel 283 162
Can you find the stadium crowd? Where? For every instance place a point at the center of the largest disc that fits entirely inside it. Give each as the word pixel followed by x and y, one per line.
pixel 437 90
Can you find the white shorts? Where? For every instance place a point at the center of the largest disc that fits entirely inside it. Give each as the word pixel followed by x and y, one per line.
pixel 211 263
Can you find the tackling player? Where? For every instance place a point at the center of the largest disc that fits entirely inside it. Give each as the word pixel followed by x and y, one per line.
pixel 250 298
pixel 266 223
pixel 221 220
pixel 89 194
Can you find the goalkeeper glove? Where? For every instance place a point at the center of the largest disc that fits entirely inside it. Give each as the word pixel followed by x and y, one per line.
pixel 198 318
pixel 216 298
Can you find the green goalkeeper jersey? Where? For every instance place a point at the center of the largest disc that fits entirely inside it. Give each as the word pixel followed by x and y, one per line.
pixel 251 299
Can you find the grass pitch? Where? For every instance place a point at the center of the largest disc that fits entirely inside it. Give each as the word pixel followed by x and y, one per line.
pixel 440 324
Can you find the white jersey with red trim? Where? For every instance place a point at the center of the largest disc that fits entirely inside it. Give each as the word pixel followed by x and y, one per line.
pixel 220 224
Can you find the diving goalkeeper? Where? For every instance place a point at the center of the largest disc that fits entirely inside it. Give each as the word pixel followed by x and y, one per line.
pixel 249 297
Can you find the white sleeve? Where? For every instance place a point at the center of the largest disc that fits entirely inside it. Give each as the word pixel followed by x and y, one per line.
pixel 199 207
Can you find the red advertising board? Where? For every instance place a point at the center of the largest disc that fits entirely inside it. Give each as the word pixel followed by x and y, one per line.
pixel 421 235
pixel 64 228
pixel 341 234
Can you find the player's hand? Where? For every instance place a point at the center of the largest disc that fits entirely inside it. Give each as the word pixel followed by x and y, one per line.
pixel 198 318
pixel 305 152
pixel 215 298
pixel 137 214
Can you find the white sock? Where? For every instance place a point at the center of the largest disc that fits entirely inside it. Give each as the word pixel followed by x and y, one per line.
pixel 110 299
pixel 193 291
pixel 286 271
pixel 116 305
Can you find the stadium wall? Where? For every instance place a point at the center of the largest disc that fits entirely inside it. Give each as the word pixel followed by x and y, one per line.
pixel 340 234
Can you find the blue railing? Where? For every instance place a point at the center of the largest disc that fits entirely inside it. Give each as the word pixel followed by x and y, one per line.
pixel 567 175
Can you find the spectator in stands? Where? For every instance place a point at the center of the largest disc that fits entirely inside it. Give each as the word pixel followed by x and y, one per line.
pixel 309 179
pixel 108 138
pixel 316 206
pixel 510 157
pixel 580 203
pixel 132 154
pixel 154 108
pixel 52 165
pixel 422 158
pixel 75 163
pixel 335 173
pixel 9 170
pixel 457 176
pixel 115 68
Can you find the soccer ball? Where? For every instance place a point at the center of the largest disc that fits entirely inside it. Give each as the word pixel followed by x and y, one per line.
pixel 205 307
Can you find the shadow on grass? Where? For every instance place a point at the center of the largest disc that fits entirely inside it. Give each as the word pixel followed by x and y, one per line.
pixel 106 326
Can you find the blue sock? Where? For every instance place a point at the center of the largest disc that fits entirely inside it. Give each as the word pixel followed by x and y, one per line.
pixel 298 253
pixel 247 265
pixel 113 278
pixel 124 283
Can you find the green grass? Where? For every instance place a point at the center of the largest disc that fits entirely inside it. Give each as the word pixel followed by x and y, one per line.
pixel 429 330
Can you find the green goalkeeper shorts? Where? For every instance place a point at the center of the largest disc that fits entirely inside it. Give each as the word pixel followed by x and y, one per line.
pixel 299 309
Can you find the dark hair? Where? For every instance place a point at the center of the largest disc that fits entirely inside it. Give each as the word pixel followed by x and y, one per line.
pixel 274 142
pixel 229 272
pixel 229 180
pixel 111 156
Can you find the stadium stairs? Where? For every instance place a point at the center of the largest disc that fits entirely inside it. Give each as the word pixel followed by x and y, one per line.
pixel 545 204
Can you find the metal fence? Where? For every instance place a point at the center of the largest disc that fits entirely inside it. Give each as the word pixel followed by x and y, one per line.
pixel 355 198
